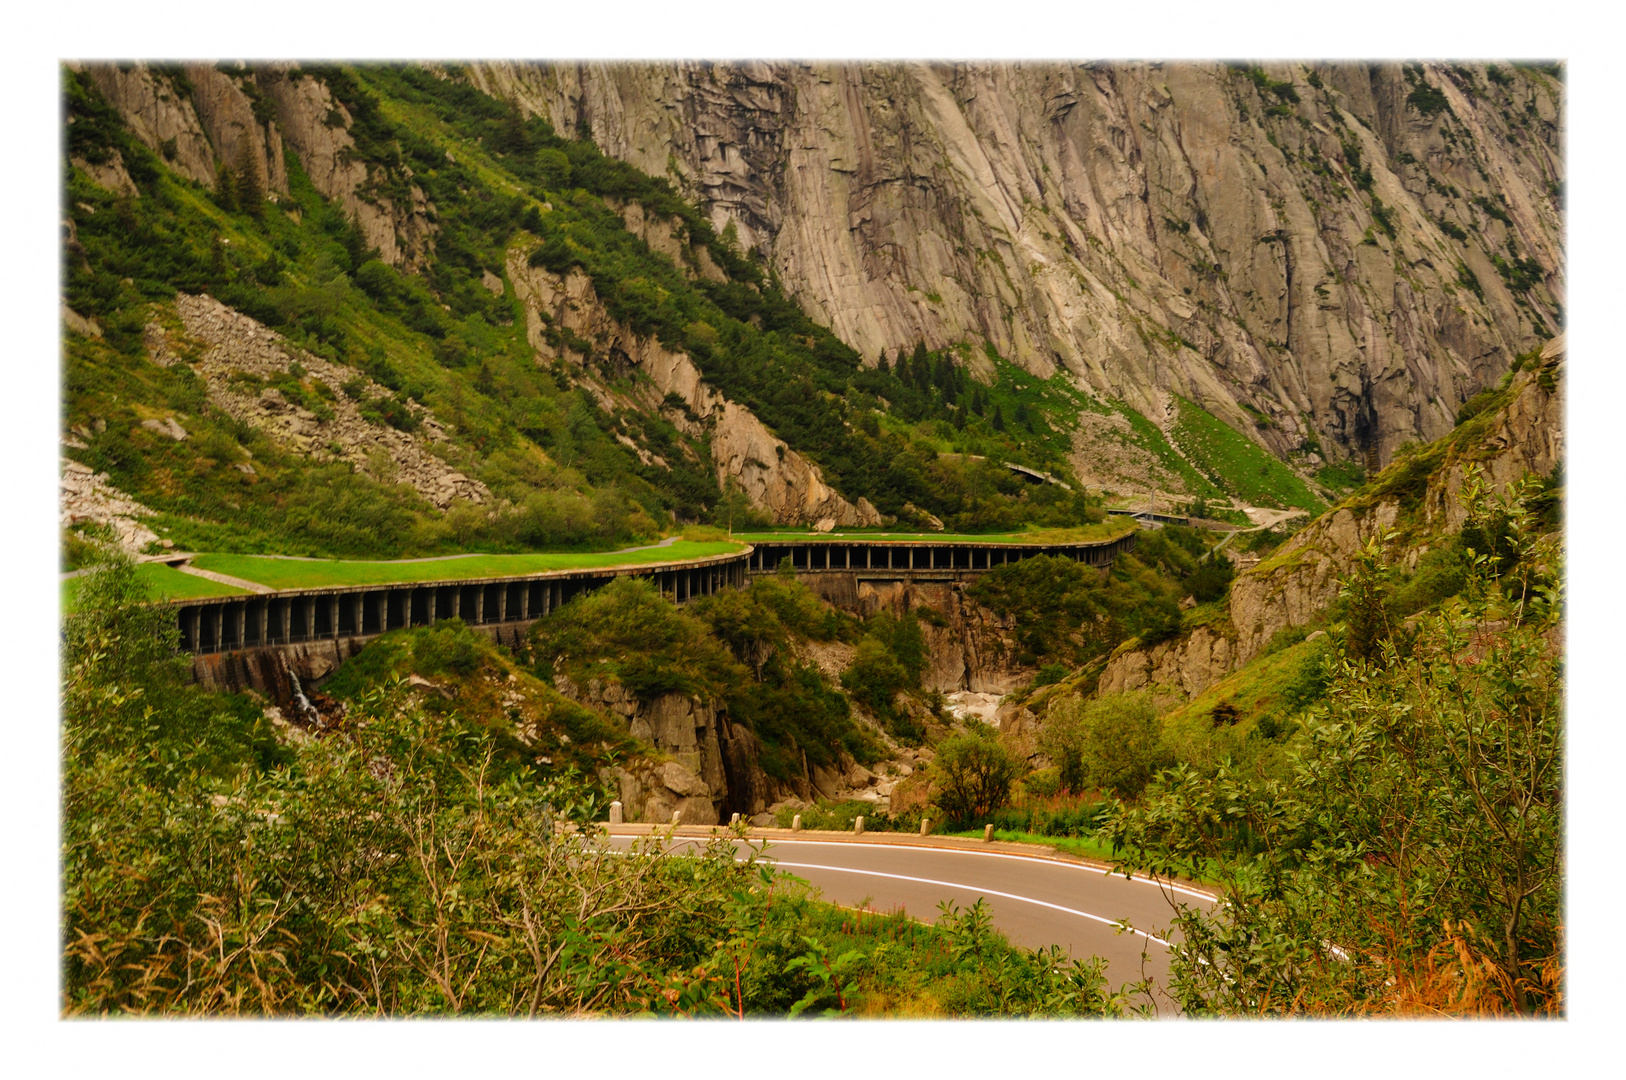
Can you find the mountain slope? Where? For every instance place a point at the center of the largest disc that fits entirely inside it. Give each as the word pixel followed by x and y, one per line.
pixel 1329 257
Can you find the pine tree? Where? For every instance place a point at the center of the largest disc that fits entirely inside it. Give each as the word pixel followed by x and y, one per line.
pixel 225 188
pixel 514 139
pixel 250 191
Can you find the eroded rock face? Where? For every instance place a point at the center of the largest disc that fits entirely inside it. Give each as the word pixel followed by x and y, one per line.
pixel 1291 587
pixel 686 731
pixel 1152 229
pixel 971 650
pixel 1527 437
pixel 210 124
pixel 744 452
pixel 207 118
pixel 227 343
pixel 403 234
pixel 1301 579
pixel 110 174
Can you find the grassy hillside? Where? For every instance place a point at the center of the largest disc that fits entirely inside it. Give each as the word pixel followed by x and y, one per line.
pixel 1237 465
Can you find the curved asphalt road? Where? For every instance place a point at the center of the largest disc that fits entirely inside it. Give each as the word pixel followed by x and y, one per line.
pixel 1035 901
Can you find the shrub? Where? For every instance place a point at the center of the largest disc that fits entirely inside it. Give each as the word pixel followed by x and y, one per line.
pixel 448 647
pixel 1051 673
pixel 874 677
pixel 972 775
pixel 629 632
pixel 1428 100
pixel 1476 405
pixel 1116 739
pixel 1212 579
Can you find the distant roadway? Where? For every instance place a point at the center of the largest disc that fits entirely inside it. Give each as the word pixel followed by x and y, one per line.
pixel 1034 900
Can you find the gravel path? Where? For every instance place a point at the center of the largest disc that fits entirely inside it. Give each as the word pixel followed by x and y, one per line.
pixel 668 542
pixel 224 579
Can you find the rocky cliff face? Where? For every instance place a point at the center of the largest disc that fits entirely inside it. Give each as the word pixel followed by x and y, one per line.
pixel 744 452
pixel 1190 664
pixel 199 116
pixel 318 130
pixel 969 648
pixel 1306 250
pixel 706 768
pixel 1302 578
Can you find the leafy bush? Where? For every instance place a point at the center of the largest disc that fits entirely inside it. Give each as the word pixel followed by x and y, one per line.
pixel 627 632
pixel 1070 615
pixel 972 776
pixel 732 650
pixel 1211 579
pixel 128 689
pixel 1428 100
pixel 890 659
pixel 1115 739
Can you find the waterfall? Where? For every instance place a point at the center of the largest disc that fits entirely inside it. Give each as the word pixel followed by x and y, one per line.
pixel 307 711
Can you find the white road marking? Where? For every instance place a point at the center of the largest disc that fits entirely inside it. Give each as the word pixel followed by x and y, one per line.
pixel 993 855
pixel 975 889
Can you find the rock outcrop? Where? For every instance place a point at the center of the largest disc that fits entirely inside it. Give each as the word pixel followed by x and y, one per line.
pixel 1300 580
pixel 110 174
pixel 1347 250
pixel 686 731
pixel 744 452
pixel 234 354
pixel 318 130
pixel 705 768
pixel 968 648
pixel 1189 664
pixel 197 118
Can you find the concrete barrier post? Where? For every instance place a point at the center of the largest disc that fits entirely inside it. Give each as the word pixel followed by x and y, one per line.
pixel 925 826
pixel 677 814
pixel 858 825
pixel 796 823
pixel 733 820
pixel 987 834
pixel 616 813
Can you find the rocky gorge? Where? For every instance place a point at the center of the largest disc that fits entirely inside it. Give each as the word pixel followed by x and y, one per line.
pixel 1522 437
